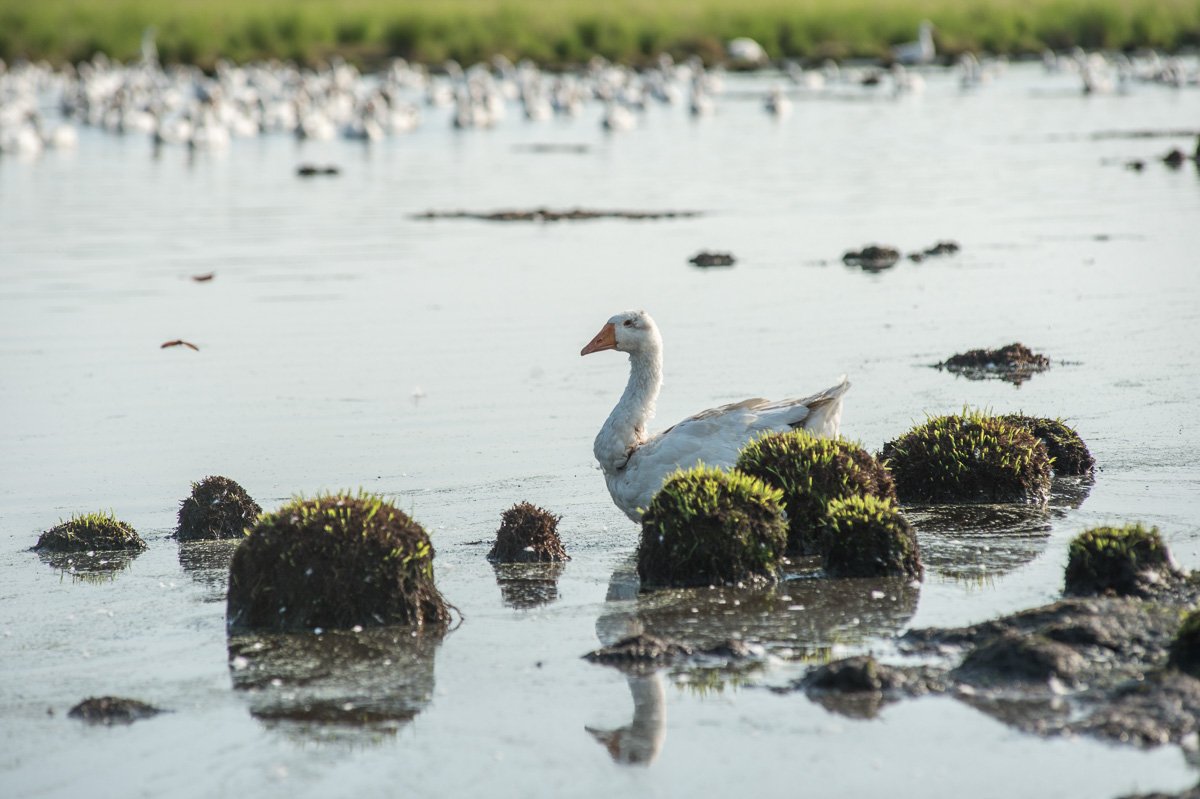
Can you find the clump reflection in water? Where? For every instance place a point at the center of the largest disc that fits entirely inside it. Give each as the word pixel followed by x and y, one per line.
pixel 800 619
pixel 207 562
pixel 524 586
pixel 341 686
pixel 89 567
pixel 975 543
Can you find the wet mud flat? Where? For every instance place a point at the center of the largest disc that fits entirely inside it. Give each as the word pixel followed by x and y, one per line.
pixel 1095 666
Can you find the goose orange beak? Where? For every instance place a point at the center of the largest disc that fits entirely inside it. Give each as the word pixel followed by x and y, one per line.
pixel 606 339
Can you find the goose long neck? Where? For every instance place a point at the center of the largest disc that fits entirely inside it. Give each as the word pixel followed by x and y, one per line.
pixel 626 425
pixel 641 392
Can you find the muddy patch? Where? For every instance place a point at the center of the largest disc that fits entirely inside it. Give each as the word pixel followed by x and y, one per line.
pixel 552 215
pixel 1095 666
pixel 859 687
pixel 110 710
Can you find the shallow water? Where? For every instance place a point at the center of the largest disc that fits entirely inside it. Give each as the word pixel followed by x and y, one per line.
pixel 345 344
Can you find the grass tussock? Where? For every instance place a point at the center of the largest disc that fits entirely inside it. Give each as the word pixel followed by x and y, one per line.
pixel 811 472
pixel 869 537
pixel 968 457
pixel 334 561
pixel 569 32
pixel 710 527
pixel 1126 561
pixel 87 532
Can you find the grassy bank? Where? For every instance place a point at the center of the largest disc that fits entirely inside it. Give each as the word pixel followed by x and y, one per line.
pixel 570 31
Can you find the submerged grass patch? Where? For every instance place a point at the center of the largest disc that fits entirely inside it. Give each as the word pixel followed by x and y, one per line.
pixel 217 508
pixel 527 534
pixel 1117 560
pixel 1068 453
pixel 570 31
pixel 968 457
pixel 811 472
pixel 869 537
pixel 334 561
pixel 86 532
pixel 710 527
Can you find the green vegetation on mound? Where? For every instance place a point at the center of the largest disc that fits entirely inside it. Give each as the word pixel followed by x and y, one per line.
pixel 217 508
pixel 1067 451
pixel 570 31
pixel 968 457
pixel 709 527
pixel 1117 560
pixel 334 561
pixel 869 537
pixel 527 534
pixel 87 532
pixel 811 471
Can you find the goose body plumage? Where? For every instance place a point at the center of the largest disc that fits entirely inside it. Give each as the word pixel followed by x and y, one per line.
pixel 635 463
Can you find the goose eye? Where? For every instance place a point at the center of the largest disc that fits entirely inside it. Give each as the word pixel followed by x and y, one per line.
pixel 628 323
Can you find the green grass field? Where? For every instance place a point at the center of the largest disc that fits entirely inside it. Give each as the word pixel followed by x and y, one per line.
pixel 555 32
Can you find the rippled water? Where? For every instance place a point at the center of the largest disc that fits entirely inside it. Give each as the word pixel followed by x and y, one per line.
pixel 344 344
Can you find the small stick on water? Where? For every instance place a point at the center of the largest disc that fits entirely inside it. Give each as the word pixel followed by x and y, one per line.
pixel 179 343
pixel 204 278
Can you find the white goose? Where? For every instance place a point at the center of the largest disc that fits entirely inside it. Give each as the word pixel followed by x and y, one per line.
pixel 635 463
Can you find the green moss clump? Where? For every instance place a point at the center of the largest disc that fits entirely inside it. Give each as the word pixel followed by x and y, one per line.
pixel 1126 561
pixel 1068 454
pixel 217 508
pixel 87 532
pixel 334 561
pixel 1185 649
pixel 869 537
pixel 709 527
pixel 812 471
pixel 968 457
pixel 527 534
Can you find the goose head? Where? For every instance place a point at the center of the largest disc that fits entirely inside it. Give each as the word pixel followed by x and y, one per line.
pixel 630 331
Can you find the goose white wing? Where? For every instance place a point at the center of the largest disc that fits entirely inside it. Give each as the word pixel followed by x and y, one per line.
pixel 716 437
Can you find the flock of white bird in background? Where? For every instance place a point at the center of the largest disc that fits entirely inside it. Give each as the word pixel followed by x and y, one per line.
pixel 181 105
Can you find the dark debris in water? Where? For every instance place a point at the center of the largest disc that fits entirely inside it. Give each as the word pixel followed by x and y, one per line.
pixel 112 710
pixel 1014 363
pixel 552 147
pixel 872 258
pixel 711 258
pixel 940 248
pixel 314 170
pixel 552 215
